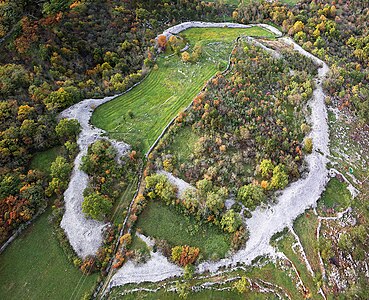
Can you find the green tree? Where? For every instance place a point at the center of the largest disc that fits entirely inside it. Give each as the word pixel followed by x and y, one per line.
pixel 266 168
pixel 242 285
pixel 214 202
pixel 231 221
pixel 251 195
pixel 280 178
pixel 12 78
pixel 60 168
pixel 203 187
pixel 68 129
pixel 96 206
pixel 53 6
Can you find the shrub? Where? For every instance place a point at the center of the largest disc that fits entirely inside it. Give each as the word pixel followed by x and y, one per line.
pixel 251 195
pixel 308 145
pixel 96 206
pixel 231 221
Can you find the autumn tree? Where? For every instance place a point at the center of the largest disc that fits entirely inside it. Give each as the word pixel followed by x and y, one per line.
pixel 186 56
pixel 266 168
pixel 308 145
pixel 162 41
pixel 242 285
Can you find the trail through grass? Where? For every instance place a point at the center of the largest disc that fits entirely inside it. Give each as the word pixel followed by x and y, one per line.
pixel 168 89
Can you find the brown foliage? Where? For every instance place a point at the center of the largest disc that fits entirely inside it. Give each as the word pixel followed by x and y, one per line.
pixel 162 41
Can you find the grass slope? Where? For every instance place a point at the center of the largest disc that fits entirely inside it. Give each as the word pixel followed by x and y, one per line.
pixel 160 221
pixel 35 267
pixel 42 160
pixel 168 89
pixel 335 196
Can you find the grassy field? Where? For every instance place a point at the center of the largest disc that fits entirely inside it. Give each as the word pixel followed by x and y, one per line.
pixel 305 227
pixel 42 160
pixel 168 89
pixel 183 144
pixel 335 196
pixel 157 221
pixel 35 267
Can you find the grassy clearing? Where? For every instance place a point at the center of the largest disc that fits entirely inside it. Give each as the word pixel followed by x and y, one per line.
pixel 183 144
pixel 163 222
pixel 42 160
pixel 35 267
pixel 168 89
pixel 305 227
pixel 335 196
pixel 137 243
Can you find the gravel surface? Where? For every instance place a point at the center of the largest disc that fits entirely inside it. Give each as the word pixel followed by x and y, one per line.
pixel 292 202
pixel 85 235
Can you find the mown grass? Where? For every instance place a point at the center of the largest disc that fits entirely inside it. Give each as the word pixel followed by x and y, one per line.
pixel 41 161
pixel 168 89
pixel 35 267
pixel 163 222
pixel 335 196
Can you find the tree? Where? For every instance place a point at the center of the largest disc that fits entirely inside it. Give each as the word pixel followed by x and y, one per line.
pixel 251 195
pixel 242 285
pixel 158 186
pixel 162 41
pixel 214 202
pixel 308 145
pixel 280 178
pixel 186 56
pixel 266 168
pixel 204 186
pixel 96 206
pixel 59 171
pixel 60 168
pixel 231 221
pixel 62 98
pixel 12 78
pixel 53 6
pixel 68 129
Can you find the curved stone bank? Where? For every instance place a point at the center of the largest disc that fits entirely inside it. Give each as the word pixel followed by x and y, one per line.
pixel 86 235
pixel 292 202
